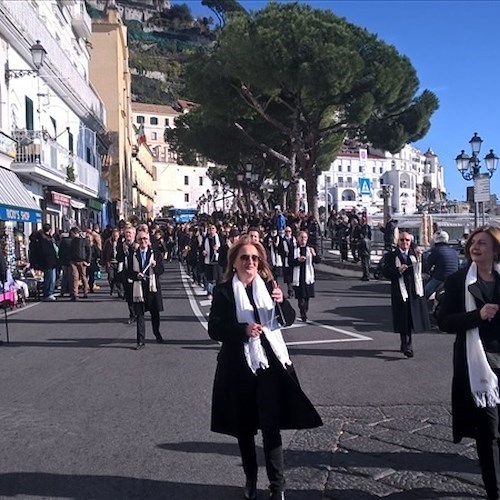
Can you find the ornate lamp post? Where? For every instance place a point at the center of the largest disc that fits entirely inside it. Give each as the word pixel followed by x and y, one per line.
pixel 470 169
pixel 37 55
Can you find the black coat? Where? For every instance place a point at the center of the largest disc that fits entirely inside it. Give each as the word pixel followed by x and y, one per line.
pixel 444 260
pixel 234 393
pixel 452 318
pixel 414 307
pixel 152 300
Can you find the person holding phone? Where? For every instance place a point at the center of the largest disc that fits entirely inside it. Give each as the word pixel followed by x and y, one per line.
pixel 255 384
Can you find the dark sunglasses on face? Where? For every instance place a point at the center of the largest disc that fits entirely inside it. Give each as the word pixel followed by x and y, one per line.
pixel 404 239
pixel 246 258
pixel 143 239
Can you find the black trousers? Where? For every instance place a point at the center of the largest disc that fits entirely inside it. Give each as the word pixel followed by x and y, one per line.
pixel 488 442
pixel 268 390
pixel 141 322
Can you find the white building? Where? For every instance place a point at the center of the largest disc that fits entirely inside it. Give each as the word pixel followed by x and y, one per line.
pixel 53 114
pixel 179 186
pixel 356 177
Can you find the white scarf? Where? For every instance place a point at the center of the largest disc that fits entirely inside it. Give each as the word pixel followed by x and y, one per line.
pixel 274 252
pixel 416 265
pixel 215 253
pixel 254 352
pixel 137 294
pixel 309 278
pixel 483 381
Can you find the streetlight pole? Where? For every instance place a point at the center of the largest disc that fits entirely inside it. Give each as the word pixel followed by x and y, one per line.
pixel 470 169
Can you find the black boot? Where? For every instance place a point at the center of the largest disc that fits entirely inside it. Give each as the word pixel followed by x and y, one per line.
pixel 250 489
pixel 277 495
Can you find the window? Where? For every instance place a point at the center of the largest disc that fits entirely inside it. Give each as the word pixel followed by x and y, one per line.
pixel 140 119
pixel 154 136
pixel 327 180
pixel 167 122
pixel 29 113
pixel 186 198
pixel 186 180
pixel 348 168
pixel 340 168
pixel 70 142
pixel 201 181
pixel 153 120
pixel 341 179
pixel 349 179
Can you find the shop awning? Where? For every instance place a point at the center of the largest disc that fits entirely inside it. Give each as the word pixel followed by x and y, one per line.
pixel 16 202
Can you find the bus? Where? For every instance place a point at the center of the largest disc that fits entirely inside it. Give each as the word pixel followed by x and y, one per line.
pixel 182 215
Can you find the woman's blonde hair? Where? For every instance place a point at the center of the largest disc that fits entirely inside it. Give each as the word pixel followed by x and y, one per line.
pixel 263 269
pixel 494 233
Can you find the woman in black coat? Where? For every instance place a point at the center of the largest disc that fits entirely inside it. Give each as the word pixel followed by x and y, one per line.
pixel 469 308
pixel 255 383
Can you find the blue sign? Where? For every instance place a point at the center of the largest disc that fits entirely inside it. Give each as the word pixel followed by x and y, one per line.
pixel 19 214
pixel 364 186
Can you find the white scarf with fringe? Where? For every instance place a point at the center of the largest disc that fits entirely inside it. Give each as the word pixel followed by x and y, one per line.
pixel 482 379
pixel 137 294
pixel 254 351
pixel 416 265
pixel 309 277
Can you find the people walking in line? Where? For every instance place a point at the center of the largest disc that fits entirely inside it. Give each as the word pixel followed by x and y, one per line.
pixel 403 267
pixel 289 246
pixel 211 246
pixel 110 262
pixel 469 308
pixel 233 237
pixel 80 256
pixel 255 383
pixel 127 247
pixel 303 273
pixel 441 262
pixel 145 266
pixel 274 248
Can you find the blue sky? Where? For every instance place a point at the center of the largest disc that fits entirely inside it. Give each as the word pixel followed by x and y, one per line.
pixel 455 49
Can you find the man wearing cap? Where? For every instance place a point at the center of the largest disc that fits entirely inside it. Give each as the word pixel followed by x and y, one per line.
pixel 441 262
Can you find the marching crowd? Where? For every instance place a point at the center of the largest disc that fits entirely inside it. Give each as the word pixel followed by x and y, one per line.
pixel 238 262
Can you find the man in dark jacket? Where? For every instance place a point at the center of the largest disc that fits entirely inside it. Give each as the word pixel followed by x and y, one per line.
pixel 409 307
pixel 65 263
pixel 442 262
pixel 80 255
pixel 389 231
pixel 48 261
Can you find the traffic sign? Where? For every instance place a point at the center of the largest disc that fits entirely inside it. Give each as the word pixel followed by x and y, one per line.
pixel 482 188
pixel 364 186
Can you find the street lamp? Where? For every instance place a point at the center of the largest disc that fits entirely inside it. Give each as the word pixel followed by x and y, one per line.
pixel 37 55
pixel 470 169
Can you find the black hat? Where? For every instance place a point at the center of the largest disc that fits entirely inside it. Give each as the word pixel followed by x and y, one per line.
pixel 233 232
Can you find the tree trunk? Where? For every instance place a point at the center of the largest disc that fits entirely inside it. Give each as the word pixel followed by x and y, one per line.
pixel 312 190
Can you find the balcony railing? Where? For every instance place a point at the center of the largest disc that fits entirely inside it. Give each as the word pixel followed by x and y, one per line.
pixel 41 155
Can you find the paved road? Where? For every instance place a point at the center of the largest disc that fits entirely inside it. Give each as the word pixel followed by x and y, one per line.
pixel 85 416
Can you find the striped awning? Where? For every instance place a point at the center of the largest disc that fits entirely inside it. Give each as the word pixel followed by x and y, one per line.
pixel 16 202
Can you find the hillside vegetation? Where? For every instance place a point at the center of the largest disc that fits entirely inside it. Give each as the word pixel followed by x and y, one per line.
pixel 158 50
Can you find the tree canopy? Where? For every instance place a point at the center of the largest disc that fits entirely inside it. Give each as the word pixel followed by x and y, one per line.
pixel 311 80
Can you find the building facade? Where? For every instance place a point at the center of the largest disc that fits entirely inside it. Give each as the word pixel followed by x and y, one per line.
pixel 359 174
pixel 52 122
pixel 179 186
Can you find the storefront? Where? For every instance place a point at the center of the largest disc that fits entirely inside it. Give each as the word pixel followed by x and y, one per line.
pixel 19 216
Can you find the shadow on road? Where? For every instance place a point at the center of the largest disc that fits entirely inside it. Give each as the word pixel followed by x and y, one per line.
pixel 384 355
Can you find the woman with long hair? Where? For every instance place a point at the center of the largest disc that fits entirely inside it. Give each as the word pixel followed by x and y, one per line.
pixel 255 383
pixel 469 308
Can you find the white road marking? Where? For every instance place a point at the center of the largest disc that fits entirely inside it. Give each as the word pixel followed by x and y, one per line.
pixel 353 337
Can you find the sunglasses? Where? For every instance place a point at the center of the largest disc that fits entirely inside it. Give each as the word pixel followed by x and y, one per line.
pixel 404 239
pixel 143 239
pixel 246 258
